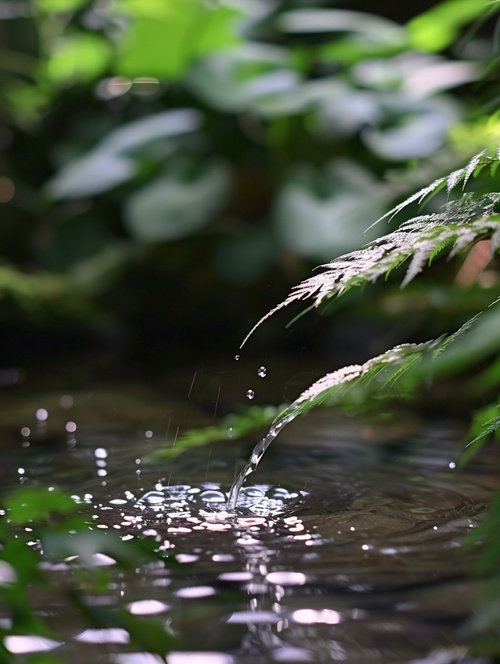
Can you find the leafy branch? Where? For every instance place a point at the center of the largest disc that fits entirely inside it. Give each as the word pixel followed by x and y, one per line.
pixel 462 222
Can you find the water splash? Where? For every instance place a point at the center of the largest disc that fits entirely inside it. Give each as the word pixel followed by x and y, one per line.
pixel 284 418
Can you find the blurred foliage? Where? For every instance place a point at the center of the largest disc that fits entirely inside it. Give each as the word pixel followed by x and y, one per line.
pixel 234 141
pixel 42 524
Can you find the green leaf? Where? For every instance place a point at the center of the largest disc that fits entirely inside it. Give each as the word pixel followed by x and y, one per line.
pixel 57 6
pixel 166 42
pixel 438 27
pixel 111 162
pixel 320 215
pixel 372 28
pixel 37 504
pixel 178 203
pixel 243 78
pixel 410 128
pixel 79 57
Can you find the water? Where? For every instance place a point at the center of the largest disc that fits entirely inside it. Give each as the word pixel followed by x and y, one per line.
pixel 258 452
pixel 344 546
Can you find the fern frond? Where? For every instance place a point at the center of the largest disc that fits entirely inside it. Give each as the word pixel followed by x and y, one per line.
pixel 462 222
pixel 475 165
pixel 383 371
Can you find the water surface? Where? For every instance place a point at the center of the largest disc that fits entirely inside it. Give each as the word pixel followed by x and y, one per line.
pixel 345 545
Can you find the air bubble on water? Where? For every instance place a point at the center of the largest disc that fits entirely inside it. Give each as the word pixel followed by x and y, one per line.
pixel 262 372
pixel 250 394
pixel 211 496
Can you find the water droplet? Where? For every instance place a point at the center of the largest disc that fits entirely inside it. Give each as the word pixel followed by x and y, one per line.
pixel 230 432
pixel 237 357
pixel 262 372
pixel 250 394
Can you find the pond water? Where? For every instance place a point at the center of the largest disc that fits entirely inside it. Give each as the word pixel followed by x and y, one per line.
pixel 345 545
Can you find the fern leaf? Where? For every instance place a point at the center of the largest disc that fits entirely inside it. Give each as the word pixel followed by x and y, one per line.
pixel 473 164
pixel 450 181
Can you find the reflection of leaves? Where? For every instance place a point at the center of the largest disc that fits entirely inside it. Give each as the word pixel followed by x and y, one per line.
pixel 111 162
pixel 177 203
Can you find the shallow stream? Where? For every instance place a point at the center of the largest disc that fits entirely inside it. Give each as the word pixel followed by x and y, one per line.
pixel 345 545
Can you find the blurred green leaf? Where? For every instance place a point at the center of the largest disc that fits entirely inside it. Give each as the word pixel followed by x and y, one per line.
pixel 410 129
pixel 177 203
pixel 235 79
pixel 164 41
pixel 56 6
pixel 324 214
pixel 89 545
pixel 81 57
pixel 29 504
pixel 110 163
pixel 438 27
pixel 372 28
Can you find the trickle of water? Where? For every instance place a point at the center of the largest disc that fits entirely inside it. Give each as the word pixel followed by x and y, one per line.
pixel 262 372
pixel 250 394
pixel 284 418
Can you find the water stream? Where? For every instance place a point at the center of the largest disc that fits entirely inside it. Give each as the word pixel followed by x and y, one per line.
pixel 258 452
pixel 345 547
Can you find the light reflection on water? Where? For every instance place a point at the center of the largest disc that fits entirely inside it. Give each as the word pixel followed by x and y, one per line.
pixel 340 551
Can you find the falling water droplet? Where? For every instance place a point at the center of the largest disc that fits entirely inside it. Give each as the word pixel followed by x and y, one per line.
pixel 250 394
pixel 262 372
pixel 237 357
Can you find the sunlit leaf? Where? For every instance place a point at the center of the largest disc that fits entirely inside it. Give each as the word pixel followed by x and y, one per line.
pixel 438 27
pixel 80 56
pixel 165 43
